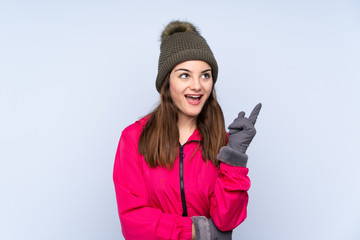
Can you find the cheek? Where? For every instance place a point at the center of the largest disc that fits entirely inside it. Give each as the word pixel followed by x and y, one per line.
pixel 172 88
pixel 175 94
pixel 208 93
pixel 209 88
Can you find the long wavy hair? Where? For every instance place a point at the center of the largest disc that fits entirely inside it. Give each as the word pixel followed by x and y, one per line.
pixel 159 140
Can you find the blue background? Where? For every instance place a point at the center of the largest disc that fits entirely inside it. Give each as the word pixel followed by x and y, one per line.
pixel 73 74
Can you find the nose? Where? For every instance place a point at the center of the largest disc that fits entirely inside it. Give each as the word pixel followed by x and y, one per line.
pixel 195 84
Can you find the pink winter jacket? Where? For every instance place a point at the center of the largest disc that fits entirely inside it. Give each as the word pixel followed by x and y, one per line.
pixel 150 199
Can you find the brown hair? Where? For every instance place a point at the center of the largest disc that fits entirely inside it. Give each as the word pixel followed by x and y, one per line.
pixel 159 140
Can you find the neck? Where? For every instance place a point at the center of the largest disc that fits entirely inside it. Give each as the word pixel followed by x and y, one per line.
pixel 186 127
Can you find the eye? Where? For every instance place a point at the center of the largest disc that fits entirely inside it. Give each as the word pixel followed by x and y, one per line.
pixel 184 75
pixel 206 75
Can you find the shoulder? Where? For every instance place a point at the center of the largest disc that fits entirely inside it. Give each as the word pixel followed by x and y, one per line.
pixel 134 130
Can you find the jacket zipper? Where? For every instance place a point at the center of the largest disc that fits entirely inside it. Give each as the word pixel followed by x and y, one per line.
pixel 181 174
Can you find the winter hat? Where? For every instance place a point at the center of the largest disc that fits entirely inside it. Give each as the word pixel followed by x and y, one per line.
pixel 180 42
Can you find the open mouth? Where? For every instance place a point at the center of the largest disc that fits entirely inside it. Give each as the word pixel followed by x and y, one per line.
pixel 193 99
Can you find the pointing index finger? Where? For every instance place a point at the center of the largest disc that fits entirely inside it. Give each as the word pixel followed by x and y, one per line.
pixel 254 114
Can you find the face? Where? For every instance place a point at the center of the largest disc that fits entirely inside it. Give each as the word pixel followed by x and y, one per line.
pixel 190 86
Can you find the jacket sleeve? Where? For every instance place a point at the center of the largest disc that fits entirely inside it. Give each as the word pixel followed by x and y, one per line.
pixel 230 198
pixel 138 219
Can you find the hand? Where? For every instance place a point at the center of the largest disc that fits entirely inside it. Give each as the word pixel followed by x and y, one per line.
pixel 205 229
pixel 241 133
pixel 242 130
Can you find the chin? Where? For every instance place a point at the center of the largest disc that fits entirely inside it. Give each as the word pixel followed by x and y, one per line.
pixel 193 115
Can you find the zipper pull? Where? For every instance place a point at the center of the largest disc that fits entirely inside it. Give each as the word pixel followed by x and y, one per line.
pixel 182 155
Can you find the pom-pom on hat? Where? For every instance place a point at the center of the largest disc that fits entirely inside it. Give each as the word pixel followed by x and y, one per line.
pixel 181 42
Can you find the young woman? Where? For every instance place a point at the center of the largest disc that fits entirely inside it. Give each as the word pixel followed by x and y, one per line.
pixel 177 173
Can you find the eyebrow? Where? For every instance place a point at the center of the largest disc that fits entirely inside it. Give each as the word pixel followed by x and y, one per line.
pixel 187 70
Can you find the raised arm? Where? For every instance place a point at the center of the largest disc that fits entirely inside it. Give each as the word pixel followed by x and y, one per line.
pixel 230 199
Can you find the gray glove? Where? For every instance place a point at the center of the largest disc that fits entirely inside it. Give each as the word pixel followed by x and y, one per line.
pixel 205 229
pixel 241 133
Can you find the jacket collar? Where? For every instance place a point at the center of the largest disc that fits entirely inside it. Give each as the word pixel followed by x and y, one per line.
pixel 195 136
